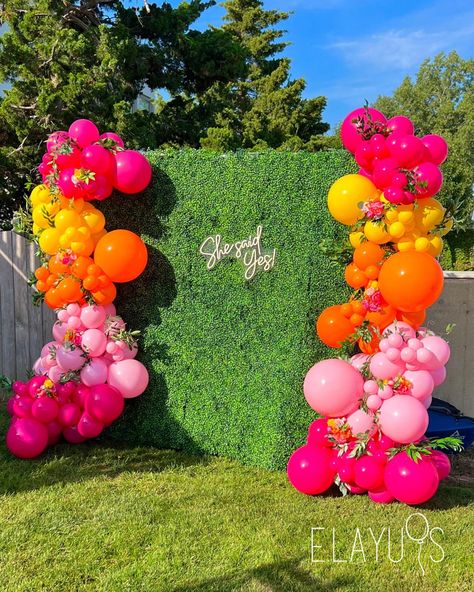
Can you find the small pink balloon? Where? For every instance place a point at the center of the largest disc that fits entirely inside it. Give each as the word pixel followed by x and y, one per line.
pixel 369 473
pixel 93 341
pixel 20 388
pixel 374 402
pixel 361 422
pixel 73 323
pixel 400 126
pixel 59 331
pixel 401 327
pixel 309 470
pixel 395 340
pixel 422 383
pixel 408 354
pixel 130 377
pixel 55 373
pixel 403 418
pixel 317 433
pixel 27 438
pixel 385 392
pixel 38 367
pixel 34 384
pixel 437 148
pixel 384 345
pixel 113 136
pixel 93 316
pixel 439 347
pixel 382 368
pixel 333 388
pixel 439 375
pixel 63 315
pixel 381 497
pixel 72 435
pixel 428 179
pixel 442 463
pixel 358 360
pixel 393 354
pixel 89 427
pixel 133 171
pixel 83 132
pixel 55 430
pixel 10 404
pixel 69 414
pixel 384 170
pixel 371 387
pixel 80 394
pixel 70 358
pixel 94 373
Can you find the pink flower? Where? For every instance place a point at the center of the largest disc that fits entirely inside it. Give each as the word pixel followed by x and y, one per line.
pixel 373 210
pixel 372 300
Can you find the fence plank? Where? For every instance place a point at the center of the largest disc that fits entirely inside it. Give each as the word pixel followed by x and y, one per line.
pixel 35 313
pixel 22 305
pixel 7 319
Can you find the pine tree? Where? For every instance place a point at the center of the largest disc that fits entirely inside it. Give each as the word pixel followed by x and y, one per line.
pixel 264 109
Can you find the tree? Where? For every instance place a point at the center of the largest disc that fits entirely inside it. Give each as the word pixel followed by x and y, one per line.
pixel 265 108
pixel 91 58
pixel 441 101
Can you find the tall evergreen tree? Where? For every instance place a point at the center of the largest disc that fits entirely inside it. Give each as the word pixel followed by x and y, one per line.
pixel 265 108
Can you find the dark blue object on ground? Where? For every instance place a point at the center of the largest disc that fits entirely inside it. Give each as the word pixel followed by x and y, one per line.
pixel 447 420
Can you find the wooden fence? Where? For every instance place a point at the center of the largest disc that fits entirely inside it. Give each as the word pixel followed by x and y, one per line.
pixel 24 328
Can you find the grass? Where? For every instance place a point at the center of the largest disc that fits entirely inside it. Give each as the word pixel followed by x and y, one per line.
pixel 102 517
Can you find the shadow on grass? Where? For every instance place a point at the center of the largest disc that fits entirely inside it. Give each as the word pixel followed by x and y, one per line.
pixel 278 577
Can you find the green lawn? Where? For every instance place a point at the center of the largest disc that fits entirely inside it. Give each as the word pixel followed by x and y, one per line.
pixel 104 517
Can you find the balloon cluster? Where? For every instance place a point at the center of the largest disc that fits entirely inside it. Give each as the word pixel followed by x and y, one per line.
pixel 371 437
pixel 85 373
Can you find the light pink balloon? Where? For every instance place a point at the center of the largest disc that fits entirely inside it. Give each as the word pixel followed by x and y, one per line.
pixel 93 342
pixel 45 351
pixel 48 362
pixel 374 402
pixel 361 422
pixel 405 329
pixel 130 353
pixel 439 347
pixel 130 377
pixel 427 402
pixel 95 372
pixel 59 331
pixel 110 309
pixel 38 367
pixel 55 373
pixel 382 368
pixel 333 388
pixel 93 316
pixel 358 360
pixel 439 375
pixel 70 358
pixel 403 418
pixel 422 383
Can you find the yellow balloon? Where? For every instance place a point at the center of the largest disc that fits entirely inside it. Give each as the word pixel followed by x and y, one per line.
pixel 429 213
pixel 405 244
pixel 67 218
pixel 36 229
pixel 49 241
pixel 346 194
pixel 406 217
pixel 40 216
pixel 94 219
pixel 436 246
pixel 448 226
pixel 391 215
pixel 39 195
pixel 422 244
pixel 376 233
pixel 397 230
pixel 356 239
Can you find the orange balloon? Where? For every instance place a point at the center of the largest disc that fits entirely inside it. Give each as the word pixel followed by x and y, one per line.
pixel 368 253
pixel 415 319
pixel 69 290
pixel 382 318
pixel 80 265
pixel 355 277
pixel 370 347
pixel 52 299
pixel 333 327
pixel 411 281
pixel 122 255
pixel 105 295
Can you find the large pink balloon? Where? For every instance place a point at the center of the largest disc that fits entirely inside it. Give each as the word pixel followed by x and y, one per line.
pixel 89 427
pixel 439 347
pixel 70 358
pixel 27 438
pixel 318 432
pixel 411 482
pixel 408 151
pixel 309 470
pixel 428 179
pixel 439 375
pixel 436 147
pixel 83 132
pixel 44 409
pixel 93 316
pixel 333 388
pixel 130 377
pixel 403 418
pixel 133 171
pixel 98 159
pixel 422 383
pixel 368 473
pixel 349 135
pixel 69 414
pixel 382 368
pixel 104 403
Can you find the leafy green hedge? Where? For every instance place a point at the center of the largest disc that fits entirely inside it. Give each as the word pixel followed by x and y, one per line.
pixel 458 252
pixel 227 357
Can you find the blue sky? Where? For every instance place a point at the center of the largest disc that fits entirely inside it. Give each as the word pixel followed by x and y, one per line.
pixel 352 50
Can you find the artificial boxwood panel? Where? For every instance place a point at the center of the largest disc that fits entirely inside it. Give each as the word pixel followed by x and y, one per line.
pixel 227 357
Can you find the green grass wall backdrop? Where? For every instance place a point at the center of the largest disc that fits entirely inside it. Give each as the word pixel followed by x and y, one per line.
pixel 227 357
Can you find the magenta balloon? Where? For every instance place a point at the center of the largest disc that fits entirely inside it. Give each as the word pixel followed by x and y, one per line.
pixel 101 188
pixel 20 388
pixel 361 422
pixel 382 368
pixel 428 179
pixel 55 429
pixel 89 427
pixel 84 132
pixel 93 341
pixel 384 170
pixel 309 470
pixel 98 159
pixel 333 388
pixel 439 347
pixel 437 148
pixel 364 155
pixel 80 394
pixel 10 403
pixel 27 438
pixel 317 433
pixel 349 136
pixel 400 126
pixel 133 171
pixel 442 463
pixel 95 372
pixel 130 377
pixel 394 195
pixel 112 136
pixel 411 482
pixel 104 403
pixel 356 490
pixel 422 383
pixel 93 316
pixel 22 406
pixel 56 139
pixel 368 473
pixel 69 414
pixel 408 151
pixel 44 409
pixel 403 418
pixel 72 436
pixel 34 384
pixel 381 497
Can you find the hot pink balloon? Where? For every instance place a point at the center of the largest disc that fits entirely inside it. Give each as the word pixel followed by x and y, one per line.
pixel 89 427
pixel 93 342
pixel 101 188
pixel 56 139
pixel 22 406
pixel 55 430
pixel 437 148
pixel 368 473
pixel 411 482
pixel 98 159
pixel 94 373
pixel 382 368
pixel 400 126
pixel 130 377
pixel 428 179
pixel 384 170
pixel 104 403
pixel 84 132
pixel 93 316
pixel 318 432
pixel 20 388
pixel 69 414
pixel 381 497
pixel 333 388
pixel 442 463
pixel 10 404
pixel 403 418
pixel 80 394
pixel 44 409
pixel 66 184
pixel 133 171
pixel 72 435
pixel 422 383
pixel 309 470
pixel 349 134
pixel 34 384
pixel 408 151
pixel 27 438
pixel 361 422
pixel 112 136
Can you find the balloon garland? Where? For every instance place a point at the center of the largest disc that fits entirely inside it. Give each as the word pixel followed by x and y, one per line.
pixel 371 437
pixel 84 375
